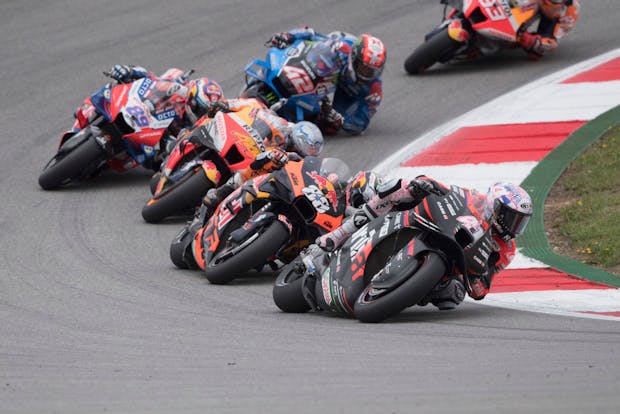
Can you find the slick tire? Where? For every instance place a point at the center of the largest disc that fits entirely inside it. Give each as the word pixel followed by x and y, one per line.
pixel 287 290
pixel 178 198
pixel 253 255
pixel 412 291
pixel 439 47
pixel 65 167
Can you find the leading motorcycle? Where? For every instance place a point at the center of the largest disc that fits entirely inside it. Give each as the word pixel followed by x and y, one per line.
pixel 266 221
pixel 118 127
pixel 391 263
pixel 470 28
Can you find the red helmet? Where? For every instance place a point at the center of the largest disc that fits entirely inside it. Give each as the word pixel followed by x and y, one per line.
pixel 367 57
pixel 203 92
pixel 553 9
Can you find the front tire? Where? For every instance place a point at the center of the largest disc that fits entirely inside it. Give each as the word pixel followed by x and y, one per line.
pixel 64 167
pixel 253 255
pixel 369 308
pixel 179 197
pixel 437 48
pixel 287 290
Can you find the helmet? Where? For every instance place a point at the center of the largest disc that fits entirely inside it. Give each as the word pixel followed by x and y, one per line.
pixel 367 57
pixel 337 172
pixel 307 139
pixel 553 9
pixel 203 92
pixel 511 206
pixel 361 187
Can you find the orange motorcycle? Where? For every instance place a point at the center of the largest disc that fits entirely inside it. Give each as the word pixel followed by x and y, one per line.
pixel 206 157
pixel 266 221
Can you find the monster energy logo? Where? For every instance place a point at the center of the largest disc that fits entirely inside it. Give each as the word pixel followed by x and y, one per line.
pixel 271 98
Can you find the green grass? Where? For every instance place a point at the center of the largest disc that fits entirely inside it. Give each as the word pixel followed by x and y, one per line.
pixel 591 220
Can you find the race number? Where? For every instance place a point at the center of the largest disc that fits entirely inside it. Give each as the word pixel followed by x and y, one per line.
pixel 138 115
pixel 493 9
pixel 299 78
pixel 316 197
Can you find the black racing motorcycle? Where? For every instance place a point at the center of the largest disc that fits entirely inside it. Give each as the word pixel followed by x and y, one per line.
pixel 393 262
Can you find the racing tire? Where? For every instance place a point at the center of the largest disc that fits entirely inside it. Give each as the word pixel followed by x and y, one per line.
pixel 178 198
pixel 65 167
pixel 410 292
pixel 440 47
pixel 269 241
pixel 287 290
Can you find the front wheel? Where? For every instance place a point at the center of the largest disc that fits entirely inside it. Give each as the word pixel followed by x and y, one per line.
pixel 250 254
pixel 440 47
pixel 373 306
pixel 179 197
pixel 64 167
pixel 287 290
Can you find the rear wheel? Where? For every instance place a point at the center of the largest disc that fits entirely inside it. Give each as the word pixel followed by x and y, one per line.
pixel 76 164
pixel 438 48
pixel 250 254
pixel 287 290
pixel 178 198
pixel 372 305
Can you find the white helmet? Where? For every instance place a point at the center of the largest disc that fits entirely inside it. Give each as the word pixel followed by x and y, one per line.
pixel 307 139
pixel 512 208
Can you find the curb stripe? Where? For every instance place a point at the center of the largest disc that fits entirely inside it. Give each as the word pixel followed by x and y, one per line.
pixel 526 280
pixel 609 71
pixel 496 144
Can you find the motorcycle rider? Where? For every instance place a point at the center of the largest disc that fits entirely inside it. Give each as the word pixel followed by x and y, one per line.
pixel 196 97
pixel 556 19
pixel 282 139
pixel 506 207
pixel 359 62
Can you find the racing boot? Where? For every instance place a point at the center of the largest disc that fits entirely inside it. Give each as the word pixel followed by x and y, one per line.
pixel 333 240
pixel 215 196
pixel 447 295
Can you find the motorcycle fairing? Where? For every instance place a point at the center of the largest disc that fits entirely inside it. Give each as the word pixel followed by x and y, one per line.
pixel 289 73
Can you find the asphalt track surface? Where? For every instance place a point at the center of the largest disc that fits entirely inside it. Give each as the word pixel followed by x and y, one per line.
pixel 95 318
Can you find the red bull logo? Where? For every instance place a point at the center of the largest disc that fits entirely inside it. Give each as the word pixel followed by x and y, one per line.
pixel 325 185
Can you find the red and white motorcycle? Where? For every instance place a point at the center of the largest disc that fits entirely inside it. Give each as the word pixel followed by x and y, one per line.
pixel 471 28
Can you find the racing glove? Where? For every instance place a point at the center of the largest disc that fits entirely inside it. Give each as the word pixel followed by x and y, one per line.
pixel 127 73
pixel 269 160
pixel 329 120
pixel 421 186
pixel 280 40
pixel 217 106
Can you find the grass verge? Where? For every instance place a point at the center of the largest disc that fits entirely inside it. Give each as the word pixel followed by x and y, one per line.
pixel 582 213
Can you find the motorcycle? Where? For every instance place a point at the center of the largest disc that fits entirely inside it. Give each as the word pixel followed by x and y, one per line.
pixel 118 127
pixel 391 263
pixel 303 73
pixel 205 157
pixel 266 221
pixel 472 27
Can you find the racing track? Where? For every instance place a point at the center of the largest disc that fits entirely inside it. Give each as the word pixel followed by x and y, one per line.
pixel 95 318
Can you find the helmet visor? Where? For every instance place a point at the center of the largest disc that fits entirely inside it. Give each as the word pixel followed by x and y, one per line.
pixel 367 73
pixel 512 221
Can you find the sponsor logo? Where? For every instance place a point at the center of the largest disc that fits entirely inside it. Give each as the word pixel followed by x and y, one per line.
pixel 144 87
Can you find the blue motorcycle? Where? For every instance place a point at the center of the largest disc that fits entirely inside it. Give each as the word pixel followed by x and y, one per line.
pixel 303 75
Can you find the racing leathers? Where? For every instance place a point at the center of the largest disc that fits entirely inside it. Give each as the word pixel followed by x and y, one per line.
pixel 355 101
pixel 552 26
pixel 399 195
